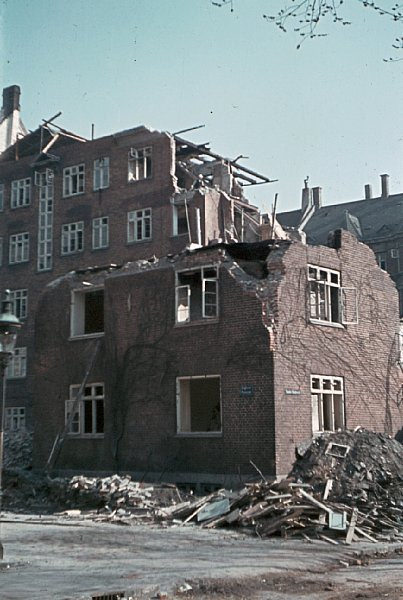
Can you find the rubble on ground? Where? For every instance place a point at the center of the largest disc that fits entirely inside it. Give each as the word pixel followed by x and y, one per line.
pixel 17 449
pixel 344 487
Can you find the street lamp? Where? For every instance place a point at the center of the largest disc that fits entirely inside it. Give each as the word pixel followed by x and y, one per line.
pixel 9 326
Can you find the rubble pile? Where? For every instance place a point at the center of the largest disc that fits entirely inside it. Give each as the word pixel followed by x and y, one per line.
pixel 17 449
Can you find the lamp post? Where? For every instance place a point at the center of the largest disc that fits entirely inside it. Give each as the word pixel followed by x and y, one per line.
pixel 9 326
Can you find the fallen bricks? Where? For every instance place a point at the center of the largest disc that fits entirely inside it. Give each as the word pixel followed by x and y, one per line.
pixel 345 487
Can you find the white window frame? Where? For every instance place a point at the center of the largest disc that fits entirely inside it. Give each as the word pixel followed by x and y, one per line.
pixel 322 283
pixel 139 164
pixel 72 241
pixel 76 425
pixel 1 251
pixel 19 248
pixel 2 195
pixel 74 180
pixel 14 418
pixel 101 173
pixel 77 313
pixel 100 233
pixel 183 413
pixel 382 260
pixel 44 181
pixel 394 252
pixel 20 193
pixel 17 367
pixel 19 299
pixel 175 219
pixel 183 295
pixel 327 388
pixel 139 225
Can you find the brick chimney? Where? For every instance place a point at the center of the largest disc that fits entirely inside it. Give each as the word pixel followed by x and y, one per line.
pixel 11 100
pixel 306 200
pixel 385 185
pixel 317 197
pixel 368 191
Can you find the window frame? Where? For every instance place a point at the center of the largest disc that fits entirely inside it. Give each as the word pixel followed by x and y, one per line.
pixel 98 231
pixel 76 404
pixel 15 412
pixel 179 287
pixel 17 364
pixel 179 431
pixel 74 171
pixel 77 313
pixel 18 241
pixel 19 298
pixel 101 173
pixel 136 217
pixel 318 403
pixel 20 193
pixel 2 196
pixel 140 162
pixel 72 234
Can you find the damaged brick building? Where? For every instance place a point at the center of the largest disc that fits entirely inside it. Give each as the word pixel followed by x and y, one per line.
pixel 190 366
pixel 67 202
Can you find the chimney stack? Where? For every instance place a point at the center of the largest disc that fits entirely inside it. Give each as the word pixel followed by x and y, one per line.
pixel 368 191
pixel 317 197
pixel 306 201
pixel 11 100
pixel 385 185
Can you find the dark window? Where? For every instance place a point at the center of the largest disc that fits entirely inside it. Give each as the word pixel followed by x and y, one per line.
pixel 94 312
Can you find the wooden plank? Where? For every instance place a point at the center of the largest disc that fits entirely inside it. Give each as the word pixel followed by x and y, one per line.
pixel 314 501
pixel 328 488
pixel 328 539
pixel 362 532
pixel 351 527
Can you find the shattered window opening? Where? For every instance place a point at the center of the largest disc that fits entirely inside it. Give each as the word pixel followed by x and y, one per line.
pixel 87 312
pixel 140 163
pixel 88 411
pixel 199 404
pixel 327 399
pixel 180 222
pixel 73 180
pixel 196 295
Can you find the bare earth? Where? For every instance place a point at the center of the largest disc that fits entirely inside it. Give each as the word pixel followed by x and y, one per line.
pixel 55 558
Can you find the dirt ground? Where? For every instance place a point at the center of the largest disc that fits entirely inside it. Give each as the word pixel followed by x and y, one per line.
pixel 51 558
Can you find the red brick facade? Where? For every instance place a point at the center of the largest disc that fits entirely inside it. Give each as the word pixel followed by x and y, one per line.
pixel 263 345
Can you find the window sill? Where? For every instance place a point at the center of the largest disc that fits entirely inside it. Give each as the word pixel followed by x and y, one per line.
pixel 73 195
pixel 63 254
pixel 99 189
pixel 22 206
pixel 85 436
pixel 20 262
pixel 178 235
pixel 86 336
pixel 102 248
pixel 327 323
pixel 131 243
pixel 130 181
pixel 194 434
pixel 18 378
pixel 205 321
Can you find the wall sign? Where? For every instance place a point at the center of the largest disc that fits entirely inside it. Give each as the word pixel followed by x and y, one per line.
pixel 246 390
pixel 290 392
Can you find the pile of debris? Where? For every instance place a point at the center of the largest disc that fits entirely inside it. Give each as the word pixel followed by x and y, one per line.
pixel 17 449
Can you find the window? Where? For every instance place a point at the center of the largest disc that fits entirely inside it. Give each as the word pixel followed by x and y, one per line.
pixel 1 251
pixel 85 411
pixel 328 301
pixel 101 173
pixel 15 419
pixel 17 367
pixel 73 180
pixel 19 298
pixel 87 312
pixel 381 260
pixel 196 294
pixel 100 233
pixel 327 403
pixel 72 238
pixel 180 222
pixel 198 404
pixel 394 253
pixel 19 248
pixel 1 196
pixel 45 220
pixel 139 225
pixel 140 163
pixel 20 192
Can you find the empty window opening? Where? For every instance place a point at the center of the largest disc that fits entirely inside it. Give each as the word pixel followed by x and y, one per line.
pixel 15 419
pixel 196 295
pixel 140 163
pixel 180 222
pixel 327 398
pixel 199 404
pixel 85 413
pixel 87 312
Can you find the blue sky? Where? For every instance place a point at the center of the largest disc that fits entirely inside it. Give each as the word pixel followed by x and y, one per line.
pixel 331 110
